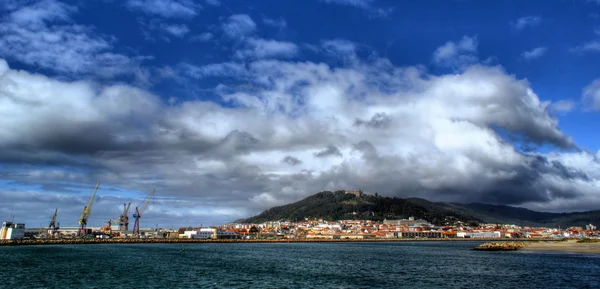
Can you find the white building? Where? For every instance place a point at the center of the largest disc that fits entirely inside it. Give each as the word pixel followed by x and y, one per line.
pixel 208 233
pixel 203 233
pixel 590 227
pixel 11 231
pixel 484 234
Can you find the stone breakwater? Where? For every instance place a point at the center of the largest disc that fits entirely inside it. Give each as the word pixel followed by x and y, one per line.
pixel 500 246
pixel 30 242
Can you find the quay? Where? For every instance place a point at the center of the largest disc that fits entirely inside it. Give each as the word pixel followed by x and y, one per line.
pixel 36 242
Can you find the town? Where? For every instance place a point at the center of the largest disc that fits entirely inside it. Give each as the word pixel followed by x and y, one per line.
pixel 315 230
pixel 308 229
pixel 388 229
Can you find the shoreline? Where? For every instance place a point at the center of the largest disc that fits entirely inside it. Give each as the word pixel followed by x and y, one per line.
pixel 570 246
pixel 42 242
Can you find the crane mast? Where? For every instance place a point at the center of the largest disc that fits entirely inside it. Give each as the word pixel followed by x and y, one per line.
pixel 53 226
pixel 124 218
pixel 138 214
pixel 86 212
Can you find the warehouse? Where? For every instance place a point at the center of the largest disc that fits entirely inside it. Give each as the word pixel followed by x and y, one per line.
pixel 12 231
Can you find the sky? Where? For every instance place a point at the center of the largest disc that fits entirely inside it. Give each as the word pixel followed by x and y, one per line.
pixel 229 107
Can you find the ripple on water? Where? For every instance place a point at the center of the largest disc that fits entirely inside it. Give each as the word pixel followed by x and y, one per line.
pixel 292 265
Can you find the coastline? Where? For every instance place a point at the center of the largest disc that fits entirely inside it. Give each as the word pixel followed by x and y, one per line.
pixel 582 246
pixel 42 242
pixel 570 246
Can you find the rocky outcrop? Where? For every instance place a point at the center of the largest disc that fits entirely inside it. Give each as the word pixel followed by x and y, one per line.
pixel 500 246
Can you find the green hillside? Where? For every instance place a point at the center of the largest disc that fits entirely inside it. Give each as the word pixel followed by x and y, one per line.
pixel 338 205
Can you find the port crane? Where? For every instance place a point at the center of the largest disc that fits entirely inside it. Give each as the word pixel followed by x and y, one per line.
pixel 53 226
pixel 124 218
pixel 138 214
pixel 86 212
pixel 107 229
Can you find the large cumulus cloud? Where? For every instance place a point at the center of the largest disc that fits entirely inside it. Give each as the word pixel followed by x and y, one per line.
pixel 290 129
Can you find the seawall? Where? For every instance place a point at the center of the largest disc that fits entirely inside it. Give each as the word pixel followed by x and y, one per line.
pixel 37 242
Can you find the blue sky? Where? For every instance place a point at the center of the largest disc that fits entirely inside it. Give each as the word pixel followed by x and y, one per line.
pixel 230 107
pixel 504 30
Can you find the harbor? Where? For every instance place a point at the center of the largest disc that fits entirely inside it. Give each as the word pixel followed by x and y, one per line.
pixel 13 231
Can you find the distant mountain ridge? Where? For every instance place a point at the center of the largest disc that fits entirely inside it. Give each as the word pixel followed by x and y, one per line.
pixel 341 205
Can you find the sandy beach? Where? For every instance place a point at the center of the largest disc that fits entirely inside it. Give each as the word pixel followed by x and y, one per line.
pixel 567 246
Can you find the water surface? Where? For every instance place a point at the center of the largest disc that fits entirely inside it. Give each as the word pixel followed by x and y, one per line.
pixel 292 265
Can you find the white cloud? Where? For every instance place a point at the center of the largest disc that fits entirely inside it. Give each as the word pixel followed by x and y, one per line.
pixel 41 12
pixel 164 8
pixel 213 2
pixel 526 21
pixel 339 46
pixel 263 48
pixel 203 37
pixel 592 46
pixel 563 106
pixel 366 5
pixel 356 3
pixel 276 23
pixel 394 130
pixel 534 53
pixel 591 95
pixel 457 55
pixel 175 29
pixel 43 35
pixel 229 69
pixel 238 26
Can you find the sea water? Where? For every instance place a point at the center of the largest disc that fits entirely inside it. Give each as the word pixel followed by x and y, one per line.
pixel 292 265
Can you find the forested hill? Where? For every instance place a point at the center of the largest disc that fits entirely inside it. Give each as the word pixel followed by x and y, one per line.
pixel 339 205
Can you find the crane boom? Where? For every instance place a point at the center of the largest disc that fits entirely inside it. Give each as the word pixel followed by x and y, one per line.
pixel 53 220
pixel 146 203
pixel 138 214
pixel 88 209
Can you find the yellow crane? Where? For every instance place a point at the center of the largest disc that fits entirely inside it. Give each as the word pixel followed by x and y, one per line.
pixel 86 212
pixel 138 214
pixel 107 229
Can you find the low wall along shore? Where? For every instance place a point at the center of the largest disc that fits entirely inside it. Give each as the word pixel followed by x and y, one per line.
pixel 168 241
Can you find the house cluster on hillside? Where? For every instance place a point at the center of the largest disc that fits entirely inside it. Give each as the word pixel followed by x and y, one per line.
pixel 406 228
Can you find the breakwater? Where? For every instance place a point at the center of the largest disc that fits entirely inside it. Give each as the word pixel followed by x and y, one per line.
pixel 500 246
pixel 34 242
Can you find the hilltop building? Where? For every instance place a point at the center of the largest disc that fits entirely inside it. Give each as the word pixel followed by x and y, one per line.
pixel 358 193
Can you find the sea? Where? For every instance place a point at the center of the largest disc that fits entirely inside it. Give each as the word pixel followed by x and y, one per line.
pixel 292 265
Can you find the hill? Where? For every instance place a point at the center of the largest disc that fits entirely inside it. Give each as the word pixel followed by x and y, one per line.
pixel 524 217
pixel 338 205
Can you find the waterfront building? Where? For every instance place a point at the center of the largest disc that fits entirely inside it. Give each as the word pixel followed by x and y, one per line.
pixel 210 233
pixel 410 222
pixel 12 231
pixel 429 234
pixel 495 234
